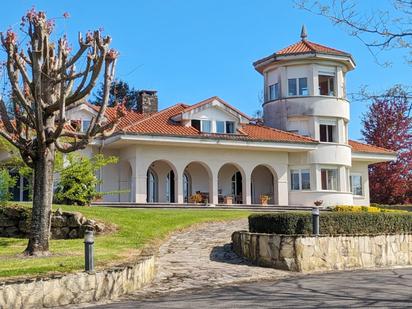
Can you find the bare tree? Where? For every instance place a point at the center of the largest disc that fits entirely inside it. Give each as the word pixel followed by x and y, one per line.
pixel 379 29
pixel 44 84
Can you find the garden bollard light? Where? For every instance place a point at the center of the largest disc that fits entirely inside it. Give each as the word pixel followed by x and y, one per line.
pixel 88 251
pixel 315 221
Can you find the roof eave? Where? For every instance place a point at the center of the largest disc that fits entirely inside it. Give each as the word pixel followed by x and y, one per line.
pixel 373 157
pixel 261 64
pixel 134 136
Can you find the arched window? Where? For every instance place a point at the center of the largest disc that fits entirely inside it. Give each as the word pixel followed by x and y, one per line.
pixel 187 186
pixel 152 185
pixel 237 187
pixel 170 187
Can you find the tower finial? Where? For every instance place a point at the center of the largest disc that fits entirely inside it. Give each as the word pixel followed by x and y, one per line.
pixel 303 33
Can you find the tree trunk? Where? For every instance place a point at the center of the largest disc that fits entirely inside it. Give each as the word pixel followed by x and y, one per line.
pixel 42 203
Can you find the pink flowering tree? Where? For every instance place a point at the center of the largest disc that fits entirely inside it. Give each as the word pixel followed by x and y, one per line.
pixel 44 84
pixel 388 124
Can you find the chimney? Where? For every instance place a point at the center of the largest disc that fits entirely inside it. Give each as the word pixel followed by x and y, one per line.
pixel 147 101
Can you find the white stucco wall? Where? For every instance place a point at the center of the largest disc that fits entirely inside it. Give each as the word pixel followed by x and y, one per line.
pixel 361 168
pixel 142 156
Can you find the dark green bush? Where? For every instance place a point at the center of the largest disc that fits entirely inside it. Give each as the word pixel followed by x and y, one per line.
pixel 331 223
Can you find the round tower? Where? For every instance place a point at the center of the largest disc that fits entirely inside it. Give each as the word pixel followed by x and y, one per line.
pixel 305 93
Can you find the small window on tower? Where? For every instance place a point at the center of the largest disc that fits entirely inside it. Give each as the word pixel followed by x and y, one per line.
pixel 327 133
pixel 274 92
pixel 326 85
pixel 292 87
pixel 303 86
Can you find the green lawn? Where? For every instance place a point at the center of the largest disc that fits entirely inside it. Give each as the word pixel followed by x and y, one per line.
pixel 137 227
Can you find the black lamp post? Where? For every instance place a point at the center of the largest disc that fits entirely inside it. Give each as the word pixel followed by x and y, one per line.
pixel 315 221
pixel 88 251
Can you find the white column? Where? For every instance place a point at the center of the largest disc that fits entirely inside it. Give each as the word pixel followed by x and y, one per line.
pixel 246 185
pixel 140 185
pixel 341 131
pixel 343 186
pixel 283 193
pixel 138 182
pixel 179 184
pixel 213 187
pixel 283 185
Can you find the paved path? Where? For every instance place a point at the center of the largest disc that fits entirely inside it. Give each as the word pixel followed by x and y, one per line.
pixel 200 258
pixel 356 289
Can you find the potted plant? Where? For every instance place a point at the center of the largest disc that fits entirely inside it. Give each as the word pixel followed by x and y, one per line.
pixel 264 199
pixel 318 203
pixel 228 200
pixel 196 198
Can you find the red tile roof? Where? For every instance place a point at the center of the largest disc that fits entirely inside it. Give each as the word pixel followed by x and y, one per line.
pixel 161 124
pixel 360 147
pixel 305 46
pixel 299 48
pixel 129 118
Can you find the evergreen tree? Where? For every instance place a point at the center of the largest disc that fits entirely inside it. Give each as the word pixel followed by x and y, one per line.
pixel 120 92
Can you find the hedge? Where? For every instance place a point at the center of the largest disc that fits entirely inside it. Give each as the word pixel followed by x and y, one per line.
pixel 331 223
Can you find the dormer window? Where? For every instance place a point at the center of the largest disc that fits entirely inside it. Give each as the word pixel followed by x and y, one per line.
pixel 85 125
pixel 202 125
pixel 326 85
pixel 196 124
pixel 230 127
pixel 220 127
pixel 206 126
pixel 298 87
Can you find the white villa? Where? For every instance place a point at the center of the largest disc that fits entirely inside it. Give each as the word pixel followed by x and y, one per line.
pixel 300 154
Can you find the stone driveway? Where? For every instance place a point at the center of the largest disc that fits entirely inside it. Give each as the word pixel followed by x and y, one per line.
pixel 198 258
pixel 202 257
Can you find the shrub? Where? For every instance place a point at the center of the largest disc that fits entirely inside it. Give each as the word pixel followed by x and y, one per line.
pixel 78 181
pixel 345 208
pixel 331 223
pixel 6 182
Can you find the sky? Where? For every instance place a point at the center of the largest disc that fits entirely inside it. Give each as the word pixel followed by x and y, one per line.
pixel 191 50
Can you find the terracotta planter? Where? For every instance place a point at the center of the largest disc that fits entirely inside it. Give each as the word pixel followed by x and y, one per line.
pixel 264 201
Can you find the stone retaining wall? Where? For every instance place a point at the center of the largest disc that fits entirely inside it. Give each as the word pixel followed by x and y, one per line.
pixel 15 221
pixel 77 288
pixel 307 253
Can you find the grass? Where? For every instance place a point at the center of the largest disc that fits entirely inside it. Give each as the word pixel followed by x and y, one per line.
pixel 136 228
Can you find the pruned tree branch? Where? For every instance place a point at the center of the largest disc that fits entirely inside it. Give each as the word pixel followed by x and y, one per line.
pixel 378 30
